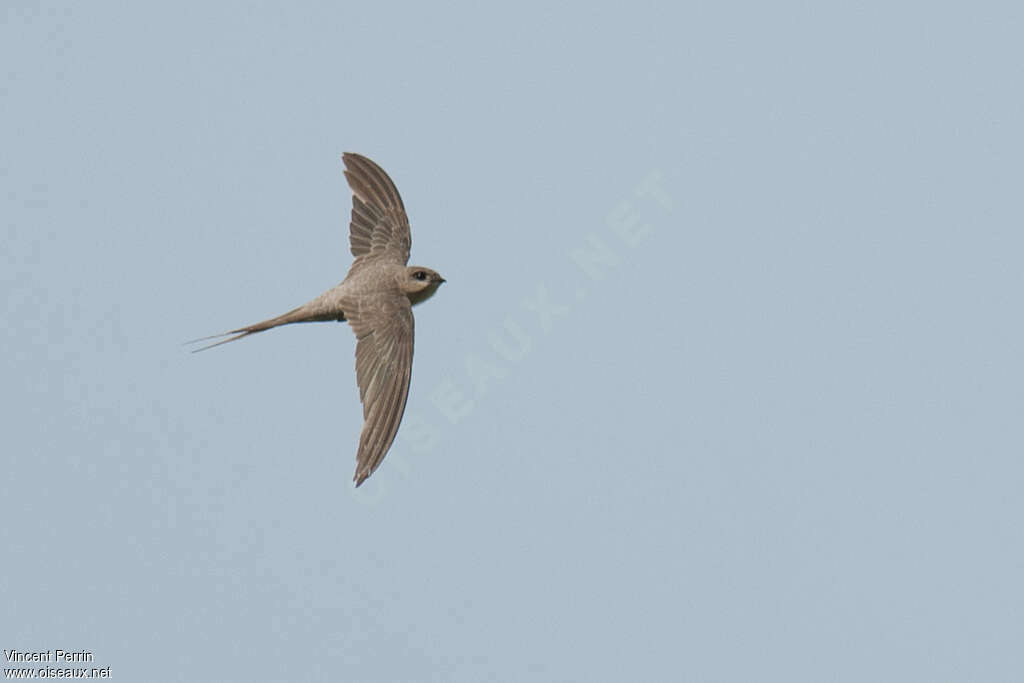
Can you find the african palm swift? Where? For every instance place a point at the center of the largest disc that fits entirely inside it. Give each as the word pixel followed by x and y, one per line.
pixel 376 298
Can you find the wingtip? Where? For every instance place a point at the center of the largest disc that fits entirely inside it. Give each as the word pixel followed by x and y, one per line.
pixel 362 474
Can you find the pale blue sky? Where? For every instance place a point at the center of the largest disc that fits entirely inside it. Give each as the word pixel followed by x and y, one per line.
pixel 774 435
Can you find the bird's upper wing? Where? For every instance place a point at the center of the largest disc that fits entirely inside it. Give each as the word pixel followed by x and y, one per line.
pixel 380 228
pixel 384 328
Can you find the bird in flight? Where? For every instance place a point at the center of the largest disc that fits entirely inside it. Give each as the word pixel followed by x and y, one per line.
pixel 376 298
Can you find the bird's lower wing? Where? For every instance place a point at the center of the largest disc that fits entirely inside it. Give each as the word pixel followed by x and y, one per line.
pixel 384 329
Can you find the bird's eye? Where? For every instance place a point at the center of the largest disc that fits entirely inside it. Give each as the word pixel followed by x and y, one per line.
pixel 420 275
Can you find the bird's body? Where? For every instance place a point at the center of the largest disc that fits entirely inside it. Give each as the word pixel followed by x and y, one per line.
pixel 376 298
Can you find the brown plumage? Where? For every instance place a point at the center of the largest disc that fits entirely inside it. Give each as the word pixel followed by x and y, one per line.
pixel 376 298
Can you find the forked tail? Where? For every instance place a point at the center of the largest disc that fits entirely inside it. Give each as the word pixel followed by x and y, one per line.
pixel 301 314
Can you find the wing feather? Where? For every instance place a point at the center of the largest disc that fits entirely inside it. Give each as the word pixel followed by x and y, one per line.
pixel 379 227
pixel 384 328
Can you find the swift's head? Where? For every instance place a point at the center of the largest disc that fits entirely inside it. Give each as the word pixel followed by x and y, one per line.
pixel 420 283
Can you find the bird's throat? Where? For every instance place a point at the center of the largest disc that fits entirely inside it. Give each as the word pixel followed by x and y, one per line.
pixel 424 294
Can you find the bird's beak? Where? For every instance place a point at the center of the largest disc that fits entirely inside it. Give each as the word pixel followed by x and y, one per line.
pixel 441 280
